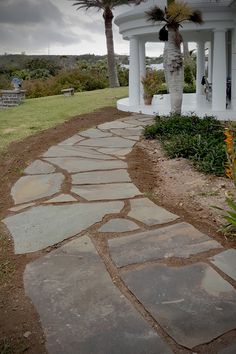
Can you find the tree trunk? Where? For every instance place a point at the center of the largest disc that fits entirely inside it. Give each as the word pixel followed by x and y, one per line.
pixel 112 72
pixel 174 70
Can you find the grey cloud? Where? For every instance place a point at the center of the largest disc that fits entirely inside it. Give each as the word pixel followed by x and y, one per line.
pixel 29 12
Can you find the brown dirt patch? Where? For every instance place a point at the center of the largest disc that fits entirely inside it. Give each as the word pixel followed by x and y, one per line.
pixel 17 315
pixel 177 186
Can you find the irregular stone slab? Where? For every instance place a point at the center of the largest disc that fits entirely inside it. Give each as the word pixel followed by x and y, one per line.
pixel 76 164
pixel 115 151
pixel 101 177
pixel 62 198
pixel 230 350
pixel 118 225
pixel 81 310
pixel 30 188
pixel 20 207
pixel 193 304
pixel 149 213
pixel 68 151
pixel 95 133
pixel 39 167
pixel 73 140
pixel 133 137
pixel 114 141
pixel 113 125
pixel 46 225
pixel 135 122
pixel 127 131
pixel 179 240
pixel 226 261
pixel 107 191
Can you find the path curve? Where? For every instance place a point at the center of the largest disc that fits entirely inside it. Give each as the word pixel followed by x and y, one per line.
pixel 109 286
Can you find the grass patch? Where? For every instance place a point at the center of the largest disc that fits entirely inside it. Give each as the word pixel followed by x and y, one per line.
pixel 200 140
pixel 39 114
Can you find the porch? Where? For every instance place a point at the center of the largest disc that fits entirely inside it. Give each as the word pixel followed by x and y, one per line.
pixel 191 103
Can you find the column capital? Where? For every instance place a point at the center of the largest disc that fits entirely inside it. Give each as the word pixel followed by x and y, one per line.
pixel 215 30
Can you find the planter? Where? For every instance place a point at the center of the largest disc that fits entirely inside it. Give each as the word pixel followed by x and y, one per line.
pixel 148 100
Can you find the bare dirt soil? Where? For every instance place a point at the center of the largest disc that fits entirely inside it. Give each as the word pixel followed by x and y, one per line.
pixel 177 186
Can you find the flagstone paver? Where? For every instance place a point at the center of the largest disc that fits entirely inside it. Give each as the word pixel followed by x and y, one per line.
pixel 226 261
pixel 73 140
pixel 95 133
pixel 39 167
pixel 62 198
pixel 149 213
pixel 107 191
pixel 101 177
pixel 29 188
pixel 118 225
pixel 46 225
pixel 81 310
pixel 76 164
pixel 194 304
pixel 114 141
pixel 179 240
pixel 69 151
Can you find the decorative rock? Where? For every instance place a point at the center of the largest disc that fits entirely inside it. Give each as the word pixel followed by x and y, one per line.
pixel 101 177
pixel 107 191
pixel 39 167
pixel 179 240
pixel 95 133
pixel 114 141
pixel 81 310
pixel 149 213
pixel 76 164
pixel 27 334
pixel 68 151
pixel 226 261
pixel 118 225
pixel 46 225
pixel 193 304
pixel 30 188
pixel 62 198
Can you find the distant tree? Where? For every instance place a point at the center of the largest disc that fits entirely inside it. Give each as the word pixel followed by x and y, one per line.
pixel 107 6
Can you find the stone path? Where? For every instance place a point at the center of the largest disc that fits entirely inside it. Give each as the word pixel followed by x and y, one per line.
pixel 123 275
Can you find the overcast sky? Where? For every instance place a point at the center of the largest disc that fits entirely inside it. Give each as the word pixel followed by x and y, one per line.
pixel 54 26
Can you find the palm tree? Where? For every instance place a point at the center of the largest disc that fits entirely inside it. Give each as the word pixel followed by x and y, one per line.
pixel 173 16
pixel 107 6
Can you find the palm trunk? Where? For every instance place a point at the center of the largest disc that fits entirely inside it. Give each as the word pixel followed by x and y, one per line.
pixel 112 72
pixel 174 71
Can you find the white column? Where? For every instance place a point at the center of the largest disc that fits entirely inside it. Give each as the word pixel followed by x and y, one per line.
pixel 219 72
pixel 233 74
pixel 134 72
pixel 209 63
pixel 200 66
pixel 142 64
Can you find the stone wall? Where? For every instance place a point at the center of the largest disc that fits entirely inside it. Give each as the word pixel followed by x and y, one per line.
pixel 11 98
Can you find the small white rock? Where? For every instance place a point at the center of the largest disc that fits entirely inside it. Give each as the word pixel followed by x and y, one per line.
pixel 27 334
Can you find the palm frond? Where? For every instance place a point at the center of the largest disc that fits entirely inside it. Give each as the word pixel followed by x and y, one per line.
pixel 196 17
pixel 156 14
pixel 87 4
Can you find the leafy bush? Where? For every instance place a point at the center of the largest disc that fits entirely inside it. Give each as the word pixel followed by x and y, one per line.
pixel 199 139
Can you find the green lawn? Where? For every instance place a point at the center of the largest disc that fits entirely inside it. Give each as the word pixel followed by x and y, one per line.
pixel 42 113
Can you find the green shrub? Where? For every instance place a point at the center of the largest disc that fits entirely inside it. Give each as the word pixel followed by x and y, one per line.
pixel 199 139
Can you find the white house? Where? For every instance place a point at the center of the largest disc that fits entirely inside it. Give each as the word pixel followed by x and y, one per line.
pixel 217 33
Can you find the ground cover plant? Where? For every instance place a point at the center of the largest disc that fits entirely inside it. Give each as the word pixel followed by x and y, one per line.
pixel 201 140
pixel 35 115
